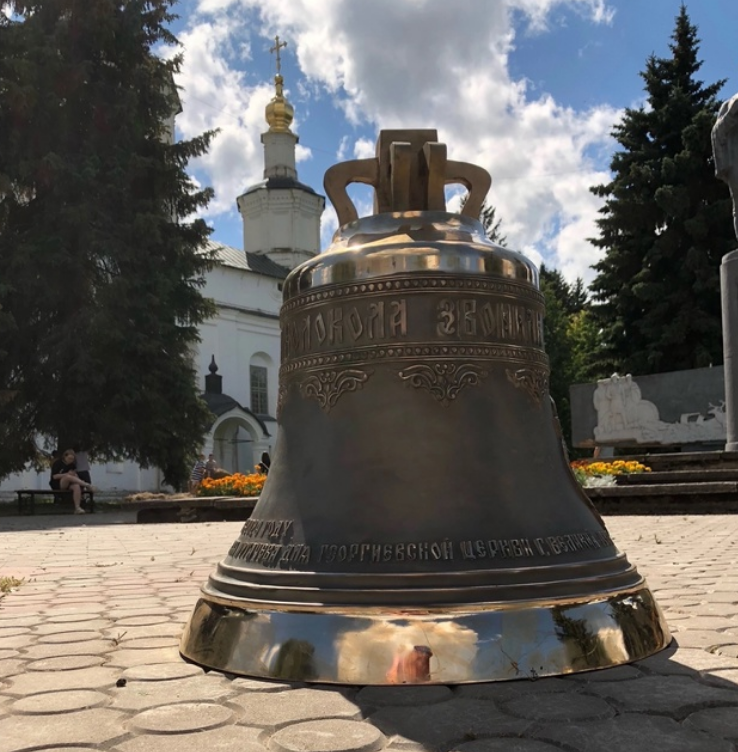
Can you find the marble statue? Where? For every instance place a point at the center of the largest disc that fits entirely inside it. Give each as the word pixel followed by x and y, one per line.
pixel 725 153
pixel 725 150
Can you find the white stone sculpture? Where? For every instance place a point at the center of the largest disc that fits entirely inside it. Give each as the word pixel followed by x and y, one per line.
pixel 725 150
pixel 624 417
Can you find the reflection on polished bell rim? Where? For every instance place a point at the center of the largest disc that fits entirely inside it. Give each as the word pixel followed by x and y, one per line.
pixel 494 642
pixel 410 242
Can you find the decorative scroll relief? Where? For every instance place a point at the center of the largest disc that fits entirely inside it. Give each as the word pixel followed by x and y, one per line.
pixel 532 380
pixel 443 380
pixel 281 397
pixel 327 386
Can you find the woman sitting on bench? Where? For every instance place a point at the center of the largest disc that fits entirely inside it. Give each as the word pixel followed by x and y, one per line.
pixel 64 478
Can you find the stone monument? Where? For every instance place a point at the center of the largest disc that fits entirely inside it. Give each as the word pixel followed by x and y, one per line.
pixel 683 409
pixel 725 151
pixel 624 417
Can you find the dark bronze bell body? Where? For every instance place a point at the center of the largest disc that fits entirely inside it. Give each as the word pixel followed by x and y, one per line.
pixel 420 522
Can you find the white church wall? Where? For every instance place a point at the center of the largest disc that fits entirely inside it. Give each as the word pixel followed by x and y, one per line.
pixel 233 338
pixel 279 154
pixel 282 230
pixel 242 288
pixel 254 208
pixel 282 219
pixel 307 232
pixel 245 325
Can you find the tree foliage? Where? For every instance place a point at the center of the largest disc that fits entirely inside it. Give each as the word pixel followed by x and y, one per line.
pixel 569 331
pixel 665 224
pixel 491 223
pixel 569 336
pixel 100 291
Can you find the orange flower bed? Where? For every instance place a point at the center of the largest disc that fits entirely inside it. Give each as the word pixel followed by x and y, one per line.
pixel 233 485
pixel 616 467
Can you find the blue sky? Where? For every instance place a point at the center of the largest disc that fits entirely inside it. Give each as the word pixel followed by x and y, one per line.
pixel 529 89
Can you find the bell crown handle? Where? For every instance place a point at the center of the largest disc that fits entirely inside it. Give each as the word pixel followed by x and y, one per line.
pixel 409 173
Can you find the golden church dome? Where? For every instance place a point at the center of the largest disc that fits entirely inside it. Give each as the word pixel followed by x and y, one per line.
pixel 279 112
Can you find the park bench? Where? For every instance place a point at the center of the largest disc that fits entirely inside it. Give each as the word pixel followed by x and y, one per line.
pixel 62 500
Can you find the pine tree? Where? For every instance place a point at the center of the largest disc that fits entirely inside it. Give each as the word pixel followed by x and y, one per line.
pixel 490 222
pixel 492 225
pixel 665 224
pixel 101 273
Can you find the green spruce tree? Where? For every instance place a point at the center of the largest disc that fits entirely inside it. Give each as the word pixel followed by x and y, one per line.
pixel 665 224
pixel 101 268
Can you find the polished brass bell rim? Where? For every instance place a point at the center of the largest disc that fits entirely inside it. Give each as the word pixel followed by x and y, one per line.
pixel 463 589
pixel 375 646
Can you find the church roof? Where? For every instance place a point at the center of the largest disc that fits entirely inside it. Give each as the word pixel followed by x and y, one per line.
pixel 280 182
pixel 250 262
pixel 219 404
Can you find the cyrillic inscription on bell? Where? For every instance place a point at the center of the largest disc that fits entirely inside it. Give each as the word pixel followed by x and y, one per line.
pixel 420 523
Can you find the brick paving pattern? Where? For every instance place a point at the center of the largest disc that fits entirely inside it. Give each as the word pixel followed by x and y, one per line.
pixel 89 660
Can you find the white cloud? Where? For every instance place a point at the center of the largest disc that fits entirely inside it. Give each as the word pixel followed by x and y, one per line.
pixel 302 153
pixel 328 225
pixel 215 95
pixel 416 63
pixel 342 148
pixel 364 148
pixel 538 11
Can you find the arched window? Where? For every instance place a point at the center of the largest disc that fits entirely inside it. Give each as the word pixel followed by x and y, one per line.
pixel 259 383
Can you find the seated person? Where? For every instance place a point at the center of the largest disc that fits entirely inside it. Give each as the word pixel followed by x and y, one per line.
pixel 197 474
pixel 64 478
pixel 82 462
pixel 265 464
pixel 212 470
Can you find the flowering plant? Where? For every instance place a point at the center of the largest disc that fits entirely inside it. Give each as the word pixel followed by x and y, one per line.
pixel 233 485
pixel 616 467
pixel 603 473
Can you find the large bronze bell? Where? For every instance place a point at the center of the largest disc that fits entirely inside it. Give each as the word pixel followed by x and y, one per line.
pixel 420 523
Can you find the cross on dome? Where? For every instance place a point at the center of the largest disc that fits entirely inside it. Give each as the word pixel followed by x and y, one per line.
pixel 277 47
pixel 279 112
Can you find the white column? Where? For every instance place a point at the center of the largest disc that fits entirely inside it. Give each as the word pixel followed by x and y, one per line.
pixel 729 296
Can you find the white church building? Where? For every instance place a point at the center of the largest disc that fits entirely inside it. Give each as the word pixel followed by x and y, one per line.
pixel 238 355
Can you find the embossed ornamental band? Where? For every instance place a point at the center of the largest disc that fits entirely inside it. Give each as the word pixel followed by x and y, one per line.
pixel 439 334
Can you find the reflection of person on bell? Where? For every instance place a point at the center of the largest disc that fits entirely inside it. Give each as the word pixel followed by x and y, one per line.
pixel 411 666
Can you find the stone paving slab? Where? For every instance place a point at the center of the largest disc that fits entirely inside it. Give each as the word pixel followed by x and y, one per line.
pixel 88 658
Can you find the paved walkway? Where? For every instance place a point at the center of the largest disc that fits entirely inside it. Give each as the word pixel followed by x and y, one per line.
pixel 89 661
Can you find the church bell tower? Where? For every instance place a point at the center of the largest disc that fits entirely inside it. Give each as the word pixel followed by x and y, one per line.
pixel 281 216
